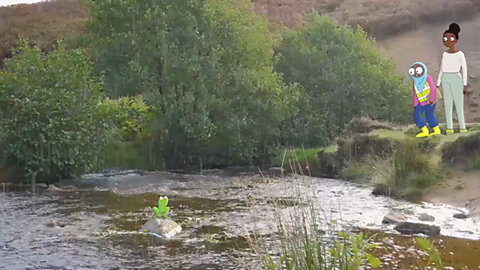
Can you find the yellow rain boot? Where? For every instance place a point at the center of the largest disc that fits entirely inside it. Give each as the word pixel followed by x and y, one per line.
pixel 436 131
pixel 424 132
pixel 449 131
pixel 463 130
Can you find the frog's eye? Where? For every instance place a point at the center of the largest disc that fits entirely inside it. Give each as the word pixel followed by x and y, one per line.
pixel 411 71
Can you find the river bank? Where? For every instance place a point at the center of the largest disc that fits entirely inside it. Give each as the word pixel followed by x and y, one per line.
pixel 97 222
pixel 440 169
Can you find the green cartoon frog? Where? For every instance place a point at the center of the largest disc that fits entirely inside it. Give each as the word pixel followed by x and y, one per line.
pixel 162 209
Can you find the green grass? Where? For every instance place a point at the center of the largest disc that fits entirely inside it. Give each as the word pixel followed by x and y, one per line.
pixel 356 172
pixel 294 155
pixel 303 245
pixel 388 134
pixel 474 164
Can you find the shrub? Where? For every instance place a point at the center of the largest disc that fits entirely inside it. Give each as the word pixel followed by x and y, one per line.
pixel 408 171
pixel 49 117
pixel 134 146
pixel 343 74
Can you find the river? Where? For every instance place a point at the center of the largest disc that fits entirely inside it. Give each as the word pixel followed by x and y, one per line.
pixel 96 226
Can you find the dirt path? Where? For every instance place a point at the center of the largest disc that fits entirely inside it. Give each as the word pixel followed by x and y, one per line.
pixel 460 189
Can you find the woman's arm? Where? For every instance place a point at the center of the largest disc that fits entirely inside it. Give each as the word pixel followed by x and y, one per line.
pixel 464 68
pixel 439 79
pixel 433 90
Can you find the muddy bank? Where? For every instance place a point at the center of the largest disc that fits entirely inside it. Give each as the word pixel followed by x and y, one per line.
pixel 96 226
pixel 461 188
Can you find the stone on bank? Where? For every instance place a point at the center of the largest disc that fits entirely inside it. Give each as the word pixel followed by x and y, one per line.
pixel 165 228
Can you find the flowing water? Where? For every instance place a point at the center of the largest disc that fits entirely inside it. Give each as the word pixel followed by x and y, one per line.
pixel 96 226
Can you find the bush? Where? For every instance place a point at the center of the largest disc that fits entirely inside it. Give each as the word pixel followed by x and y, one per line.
pixel 408 171
pixel 131 115
pixel 343 74
pixel 207 67
pixel 134 146
pixel 49 117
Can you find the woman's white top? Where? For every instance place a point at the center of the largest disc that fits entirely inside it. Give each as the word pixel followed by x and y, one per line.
pixel 451 63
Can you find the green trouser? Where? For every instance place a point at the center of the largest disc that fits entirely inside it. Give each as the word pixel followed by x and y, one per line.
pixel 452 85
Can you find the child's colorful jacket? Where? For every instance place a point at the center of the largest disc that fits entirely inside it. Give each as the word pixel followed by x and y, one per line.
pixel 429 93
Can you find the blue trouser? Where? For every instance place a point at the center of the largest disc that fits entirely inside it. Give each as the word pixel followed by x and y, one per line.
pixel 429 114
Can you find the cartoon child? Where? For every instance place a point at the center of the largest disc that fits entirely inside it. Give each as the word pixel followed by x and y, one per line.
pixel 454 85
pixel 424 99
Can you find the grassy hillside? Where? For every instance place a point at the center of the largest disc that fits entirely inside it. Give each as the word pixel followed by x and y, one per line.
pixel 47 21
pixel 42 22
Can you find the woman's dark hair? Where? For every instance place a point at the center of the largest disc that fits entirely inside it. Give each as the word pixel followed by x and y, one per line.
pixel 453 29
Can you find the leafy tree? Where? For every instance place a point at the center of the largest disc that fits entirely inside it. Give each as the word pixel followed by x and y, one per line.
pixel 48 112
pixel 206 65
pixel 343 74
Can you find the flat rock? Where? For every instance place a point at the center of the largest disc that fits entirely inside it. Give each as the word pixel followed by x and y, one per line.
pixel 460 216
pixel 393 218
pixel 426 217
pixel 163 227
pixel 417 228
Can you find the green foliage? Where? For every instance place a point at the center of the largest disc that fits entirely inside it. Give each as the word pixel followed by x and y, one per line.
pixel 130 115
pixel 409 170
pixel 343 75
pixel 296 155
pixel 351 251
pixel 206 65
pixel 355 171
pixel 49 117
pixel 133 146
pixel 141 154
pixel 304 246
pixel 432 252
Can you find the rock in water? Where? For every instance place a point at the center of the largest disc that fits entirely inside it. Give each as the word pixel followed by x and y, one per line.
pixel 460 216
pixel 393 218
pixel 164 227
pixel 426 217
pixel 416 228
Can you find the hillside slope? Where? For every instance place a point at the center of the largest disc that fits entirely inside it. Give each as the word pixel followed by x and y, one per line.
pixel 409 30
pixel 47 21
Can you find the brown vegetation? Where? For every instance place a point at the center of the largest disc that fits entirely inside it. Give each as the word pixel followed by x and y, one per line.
pixel 42 22
pixel 46 22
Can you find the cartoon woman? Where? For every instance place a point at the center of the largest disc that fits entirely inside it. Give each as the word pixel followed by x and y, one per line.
pixel 454 85
pixel 424 99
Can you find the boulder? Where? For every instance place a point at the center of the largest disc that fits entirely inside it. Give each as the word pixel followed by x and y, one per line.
pixel 393 218
pixel 460 216
pixel 417 228
pixel 162 227
pixel 426 217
